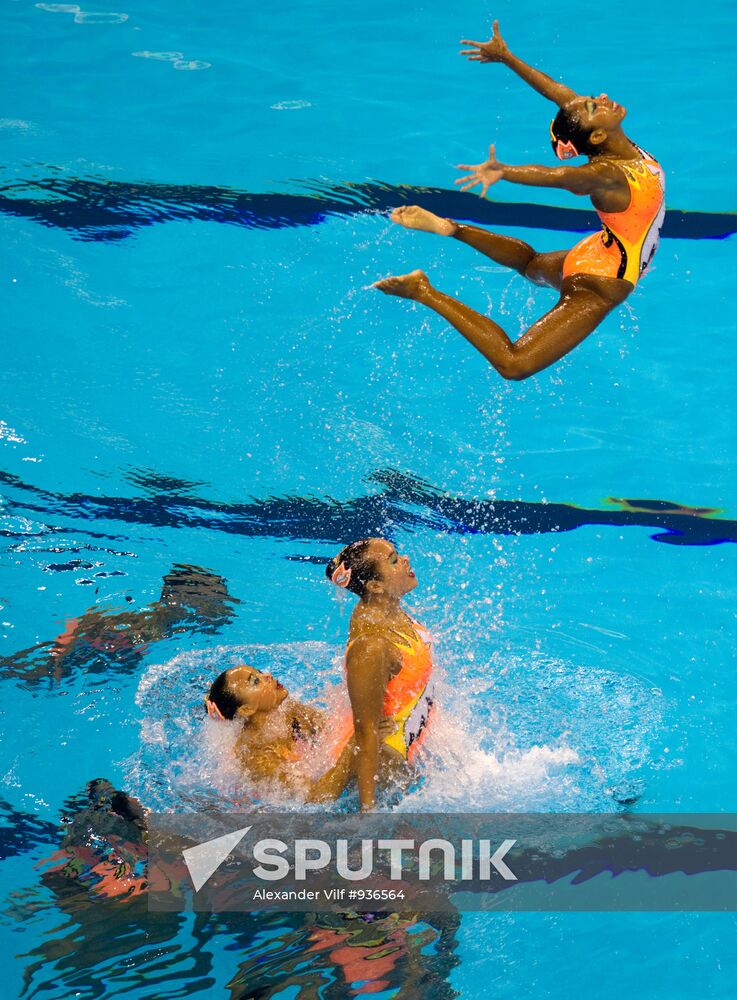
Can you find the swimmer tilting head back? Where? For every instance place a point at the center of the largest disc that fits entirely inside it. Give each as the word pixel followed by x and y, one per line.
pixel 242 692
pixel 279 734
pixel 388 663
pixel 627 189
pixel 572 134
pixel 361 567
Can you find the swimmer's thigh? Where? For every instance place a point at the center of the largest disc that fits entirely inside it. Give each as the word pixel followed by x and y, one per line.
pixel 392 767
pixel 577 313
pixel 547 268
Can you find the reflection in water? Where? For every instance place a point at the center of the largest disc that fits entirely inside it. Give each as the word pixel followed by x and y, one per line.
pixel 21 831
pixel 193 601
pixel 401 501
pixel 110 945
pixel 347 954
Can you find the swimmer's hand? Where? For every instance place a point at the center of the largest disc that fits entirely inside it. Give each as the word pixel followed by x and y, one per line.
pixel 485 174
pixel 495 50
pixel 387 727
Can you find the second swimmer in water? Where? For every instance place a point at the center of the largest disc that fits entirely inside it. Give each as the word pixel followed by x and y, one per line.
pixel 281 740
pixel 626 186
pixel 388 665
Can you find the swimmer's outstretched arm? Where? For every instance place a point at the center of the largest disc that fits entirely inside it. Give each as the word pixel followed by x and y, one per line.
pixel 496 50
pixel 593 179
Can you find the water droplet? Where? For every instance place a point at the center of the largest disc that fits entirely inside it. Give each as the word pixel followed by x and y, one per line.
pixel 290 105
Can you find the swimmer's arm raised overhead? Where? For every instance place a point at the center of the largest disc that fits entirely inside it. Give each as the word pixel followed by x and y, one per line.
pixel 496 50
pixel 368 668
pixel 594 179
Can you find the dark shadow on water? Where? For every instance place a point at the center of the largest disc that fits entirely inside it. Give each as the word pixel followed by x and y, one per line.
pixel 95 209
pixel 400 502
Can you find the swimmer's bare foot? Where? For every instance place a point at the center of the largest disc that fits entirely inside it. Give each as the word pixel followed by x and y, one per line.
pixel 414 217
pixel 407 286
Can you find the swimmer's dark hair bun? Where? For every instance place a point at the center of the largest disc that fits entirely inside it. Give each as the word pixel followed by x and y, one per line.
pixel 356 558
pixel 221 696
pixel 567 128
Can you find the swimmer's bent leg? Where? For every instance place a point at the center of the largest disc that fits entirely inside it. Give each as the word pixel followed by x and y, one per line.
pixel 577 313
pixel 542 268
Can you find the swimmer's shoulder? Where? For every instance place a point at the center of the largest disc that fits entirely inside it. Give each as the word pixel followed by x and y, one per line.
pixel 612 173
pixel 369 644
pixel 263 760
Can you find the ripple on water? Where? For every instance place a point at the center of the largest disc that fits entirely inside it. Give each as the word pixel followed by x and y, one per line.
pixel 176 59
pixel 290 105
pixel 83 16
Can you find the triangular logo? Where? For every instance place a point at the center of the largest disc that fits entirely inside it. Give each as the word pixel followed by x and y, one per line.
pixel 205 859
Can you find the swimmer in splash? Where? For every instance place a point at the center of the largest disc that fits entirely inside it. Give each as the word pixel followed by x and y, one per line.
pixel 388 664
pixel 282 739
pixel 626 186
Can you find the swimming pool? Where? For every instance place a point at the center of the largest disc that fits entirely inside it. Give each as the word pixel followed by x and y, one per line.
pixel 197 374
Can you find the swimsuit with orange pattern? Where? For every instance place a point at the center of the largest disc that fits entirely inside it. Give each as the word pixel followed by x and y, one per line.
pixel 409 698
pixel 627 242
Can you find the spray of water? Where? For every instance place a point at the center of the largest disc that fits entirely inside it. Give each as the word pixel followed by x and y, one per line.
pixel 513 732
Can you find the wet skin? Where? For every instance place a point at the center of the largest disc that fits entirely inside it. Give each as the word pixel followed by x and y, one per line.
pixel 372 659
pixel 585 299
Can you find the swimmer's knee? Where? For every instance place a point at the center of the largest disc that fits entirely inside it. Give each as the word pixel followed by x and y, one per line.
pixel 515 369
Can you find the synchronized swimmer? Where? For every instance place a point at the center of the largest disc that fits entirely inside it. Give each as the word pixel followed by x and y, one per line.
pixel 278 734
pixel 626 186
pixel 388 659
pixel 388 667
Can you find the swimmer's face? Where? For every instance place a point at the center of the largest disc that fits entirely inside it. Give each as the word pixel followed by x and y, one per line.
pixel 255 690
pixel 598 115
pixel 395 575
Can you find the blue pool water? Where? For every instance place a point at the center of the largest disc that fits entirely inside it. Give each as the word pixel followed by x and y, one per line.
pixel 195 372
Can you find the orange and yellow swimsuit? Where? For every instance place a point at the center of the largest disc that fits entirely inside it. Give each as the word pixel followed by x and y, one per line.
pixel 410 694
pixel 408 701
pixel 628 240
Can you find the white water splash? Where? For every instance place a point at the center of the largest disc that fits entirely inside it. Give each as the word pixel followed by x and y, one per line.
pixel 513 732
pixel 11 436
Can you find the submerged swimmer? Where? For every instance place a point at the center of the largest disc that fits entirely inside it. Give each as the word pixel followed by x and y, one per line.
pixel 388 664
pixel 193 600
pixel 282 739
pixel 626 186
pixel 103 850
